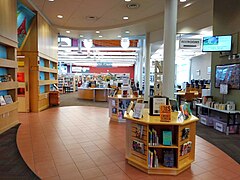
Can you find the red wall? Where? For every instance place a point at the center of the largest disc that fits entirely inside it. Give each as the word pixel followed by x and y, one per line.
pixel 113 70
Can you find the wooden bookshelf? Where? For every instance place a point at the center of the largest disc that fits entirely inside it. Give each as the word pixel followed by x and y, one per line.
pixel 8 65
pixel 41 65
pixel 140 131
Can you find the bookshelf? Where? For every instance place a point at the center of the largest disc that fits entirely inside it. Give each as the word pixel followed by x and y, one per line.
pixel 145 145
pixel 118 105
pixel 8 83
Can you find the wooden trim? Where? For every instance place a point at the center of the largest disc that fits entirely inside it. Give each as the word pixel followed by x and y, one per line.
pixel 8 85
pixel 44 56
pixel 47 69
pixel 8 108
pixel 8 42
pixel 47 82
pixel 8 63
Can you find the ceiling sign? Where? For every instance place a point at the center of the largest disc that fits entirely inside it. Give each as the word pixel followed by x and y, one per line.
pixel 104 64
pixel 189 43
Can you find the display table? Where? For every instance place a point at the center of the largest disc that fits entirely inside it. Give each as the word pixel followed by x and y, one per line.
pixel 118 105
pixel 95 94
pixel 231 115
pixel 146 147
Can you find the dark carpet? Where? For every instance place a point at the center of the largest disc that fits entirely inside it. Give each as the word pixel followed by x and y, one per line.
pixel 71 99
pixel 12 166
pixel 230 144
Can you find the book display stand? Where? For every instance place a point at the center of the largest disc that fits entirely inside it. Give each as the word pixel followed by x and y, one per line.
pixel 158 147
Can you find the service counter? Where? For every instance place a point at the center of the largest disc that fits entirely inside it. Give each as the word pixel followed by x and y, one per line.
pixel 94 94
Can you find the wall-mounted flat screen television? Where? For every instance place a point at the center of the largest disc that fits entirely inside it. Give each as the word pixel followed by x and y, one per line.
pixel 217 43
pixel 228 74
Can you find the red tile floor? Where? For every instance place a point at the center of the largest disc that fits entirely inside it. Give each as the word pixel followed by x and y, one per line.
pixel 79 142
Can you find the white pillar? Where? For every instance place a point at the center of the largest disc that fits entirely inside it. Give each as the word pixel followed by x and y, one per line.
pixel 170 25
pixel 140 65
pixel 147 68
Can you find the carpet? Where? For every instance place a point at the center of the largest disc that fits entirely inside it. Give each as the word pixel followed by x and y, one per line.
pixel 12 165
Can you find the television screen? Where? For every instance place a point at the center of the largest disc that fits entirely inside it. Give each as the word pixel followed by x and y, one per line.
pixel 228 74
pixel 217 43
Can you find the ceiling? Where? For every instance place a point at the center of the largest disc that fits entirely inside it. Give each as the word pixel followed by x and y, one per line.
pixel 85 17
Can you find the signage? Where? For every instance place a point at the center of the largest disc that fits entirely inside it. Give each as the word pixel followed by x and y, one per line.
pixel 77 69
pixel 189 43
pixel 104 64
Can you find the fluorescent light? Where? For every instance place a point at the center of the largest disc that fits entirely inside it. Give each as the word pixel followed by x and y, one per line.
pixel 68 32
pixel 127 0
pixel 127 32
pixel 188 4
pixel 183 0
pixel 100 36
pixel 97 32
pixel 81 35
pixel 125 17
pixel 60 16
pixel 50 0
pixel 119 36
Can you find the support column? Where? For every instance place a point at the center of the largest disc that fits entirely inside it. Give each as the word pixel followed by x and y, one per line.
pixel 140 65
pixel 170 25
pixel 147 68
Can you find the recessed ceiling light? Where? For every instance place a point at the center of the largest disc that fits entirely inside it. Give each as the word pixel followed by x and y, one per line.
pixel 81 36
pixel 127 0
pixel 183 0
pixel 50 0
pixel 68 32
pixel 60 16
pixel 125 17
pixel 97 32
pixel 119 36
pixel 127 32
pixel 100 36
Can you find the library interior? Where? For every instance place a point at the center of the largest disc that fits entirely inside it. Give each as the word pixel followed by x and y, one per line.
pixel 120 89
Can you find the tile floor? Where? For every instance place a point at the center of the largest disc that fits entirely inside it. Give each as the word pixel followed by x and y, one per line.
pixel 79 142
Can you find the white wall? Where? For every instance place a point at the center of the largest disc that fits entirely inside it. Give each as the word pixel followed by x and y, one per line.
pixel 199 67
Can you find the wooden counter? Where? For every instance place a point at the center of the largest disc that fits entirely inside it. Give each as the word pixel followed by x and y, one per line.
pixel 95 94
pixel 152 155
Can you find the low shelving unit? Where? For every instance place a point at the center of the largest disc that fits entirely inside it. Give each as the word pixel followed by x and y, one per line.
pixel 157 147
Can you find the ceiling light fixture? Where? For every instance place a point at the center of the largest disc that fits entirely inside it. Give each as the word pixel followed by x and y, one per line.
pixel 127 0
pixel 125 17
pixel 189 4
pixel 97 32
pixel 100 36
pixel 68 32
pixel 81 35
pixel 127 32
pixel 60 16
pixel 50 0
pixel 119 36
pixel 125 43
pixel 183 0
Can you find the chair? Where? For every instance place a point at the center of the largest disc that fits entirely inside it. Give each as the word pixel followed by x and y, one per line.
pixel 189 97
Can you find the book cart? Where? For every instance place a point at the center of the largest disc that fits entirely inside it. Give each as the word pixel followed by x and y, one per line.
pixel 157 147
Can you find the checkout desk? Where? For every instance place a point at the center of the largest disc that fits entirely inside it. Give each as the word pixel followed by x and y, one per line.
pixel 94 94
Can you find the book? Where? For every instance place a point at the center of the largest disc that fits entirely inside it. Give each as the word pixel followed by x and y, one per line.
pixel 8 99
pixel 168 158
pixel 138 110
pixel 2 101
pixel 167 138
pixel 138 146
